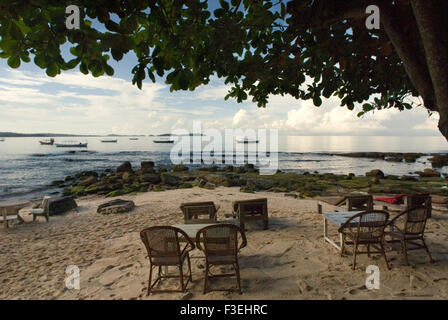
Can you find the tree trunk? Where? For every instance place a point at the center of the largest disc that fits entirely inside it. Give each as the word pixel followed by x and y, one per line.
pixel 431 16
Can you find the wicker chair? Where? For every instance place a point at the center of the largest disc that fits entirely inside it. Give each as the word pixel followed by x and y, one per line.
pixel 251 210
pixel 365 228
pixel 194 211
pixel 164 249
pixel 408 227
pixel 220 246
pixel 354 203
pixel 417 200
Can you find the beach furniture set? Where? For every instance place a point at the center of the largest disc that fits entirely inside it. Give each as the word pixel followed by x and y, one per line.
pixel 373 229
pixel 220 242
pixel 10 210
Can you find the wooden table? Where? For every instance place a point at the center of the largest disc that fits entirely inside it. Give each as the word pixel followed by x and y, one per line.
pixel 337 219
pixel 12 205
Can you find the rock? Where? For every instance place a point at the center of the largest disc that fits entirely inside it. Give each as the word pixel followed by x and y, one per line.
pixel 170 179
pixel 394 159
pixel 151 178
pixel 88 181
pixel 375 173
pixel 85 174
pixel 438 160
pixel 125 166
pixel 68 178
pixel 408 178
pixel 228 168
pixel 116 206
pixel 240 170
pixel 249 167
pixel 209 185
pixel 179 168
pixel 162 170
pixel 57 183
pixel 429 173
pixel 147 165
pixel 58 206
pixel 291 195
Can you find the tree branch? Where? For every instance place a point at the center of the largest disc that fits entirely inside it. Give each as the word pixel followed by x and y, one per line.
pixel 431 16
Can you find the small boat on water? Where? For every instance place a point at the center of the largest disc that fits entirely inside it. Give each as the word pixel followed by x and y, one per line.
pixel 71 144
pixel 2 139
pixel 48 142
pixel 163 140
pixel 133 138
pixel 109 140
pixel 246 140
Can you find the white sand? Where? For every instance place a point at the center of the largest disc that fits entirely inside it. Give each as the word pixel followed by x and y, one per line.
pixel 288 261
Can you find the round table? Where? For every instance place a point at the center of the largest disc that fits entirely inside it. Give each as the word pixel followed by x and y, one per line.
pixel 14 205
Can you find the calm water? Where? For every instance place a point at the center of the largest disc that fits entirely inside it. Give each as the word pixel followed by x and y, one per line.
pixel 27 168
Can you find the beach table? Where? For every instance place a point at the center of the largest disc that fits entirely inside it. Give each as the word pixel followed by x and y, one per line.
pixel 337 219
pixel 192 229
pixel 15 206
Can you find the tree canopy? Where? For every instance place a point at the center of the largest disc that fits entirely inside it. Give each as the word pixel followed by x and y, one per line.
pixel 308 49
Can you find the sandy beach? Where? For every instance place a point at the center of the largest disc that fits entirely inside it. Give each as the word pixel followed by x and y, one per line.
pixel 288 261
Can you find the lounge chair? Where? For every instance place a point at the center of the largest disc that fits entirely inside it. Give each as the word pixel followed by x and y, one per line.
pixel 195 211
pixel 164 249
pixel 221 247
pixel 251 210
pixel 409 227
pixel 365 228
pixel 42 209
pixel 347 203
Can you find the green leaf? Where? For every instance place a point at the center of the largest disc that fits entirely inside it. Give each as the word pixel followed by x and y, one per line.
pixel 53 69
pixel 317 101
pixel 14 62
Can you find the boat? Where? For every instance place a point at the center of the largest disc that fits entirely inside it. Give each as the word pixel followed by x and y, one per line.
pixel 163 140
pixel 2 139
pixel 133 138
pixel 246 140
pixel 48 142
pixel 109 140
pixel 71 144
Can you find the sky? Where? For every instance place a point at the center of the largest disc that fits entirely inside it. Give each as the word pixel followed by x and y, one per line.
pixel 32 102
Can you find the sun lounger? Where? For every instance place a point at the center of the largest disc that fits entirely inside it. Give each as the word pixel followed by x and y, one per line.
pixel 42 209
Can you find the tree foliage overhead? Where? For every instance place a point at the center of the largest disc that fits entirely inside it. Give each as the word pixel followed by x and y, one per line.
pixel 308 49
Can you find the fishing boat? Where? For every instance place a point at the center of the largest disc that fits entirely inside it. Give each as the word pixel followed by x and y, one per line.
pixel 48 142
pixel 163 140
pixel 71 144
pixel 246 140
pixel 109 140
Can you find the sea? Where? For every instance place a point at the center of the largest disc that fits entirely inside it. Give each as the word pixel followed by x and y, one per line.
pixel 27 168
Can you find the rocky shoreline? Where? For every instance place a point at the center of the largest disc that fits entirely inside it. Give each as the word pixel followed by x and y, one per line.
pixel 126 180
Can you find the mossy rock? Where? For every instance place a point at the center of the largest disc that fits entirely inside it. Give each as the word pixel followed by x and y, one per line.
pixel 185 185
pixel 180 168
pixel 120 192
pixel 247 190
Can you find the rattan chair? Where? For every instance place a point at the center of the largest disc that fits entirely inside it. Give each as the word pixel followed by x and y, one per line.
pixel 354 203
pixel 408 227
pixel 365 228
pixel 417 200
pixel 164 249
pixel 221 247
pixel 194 212
pixel 251 210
